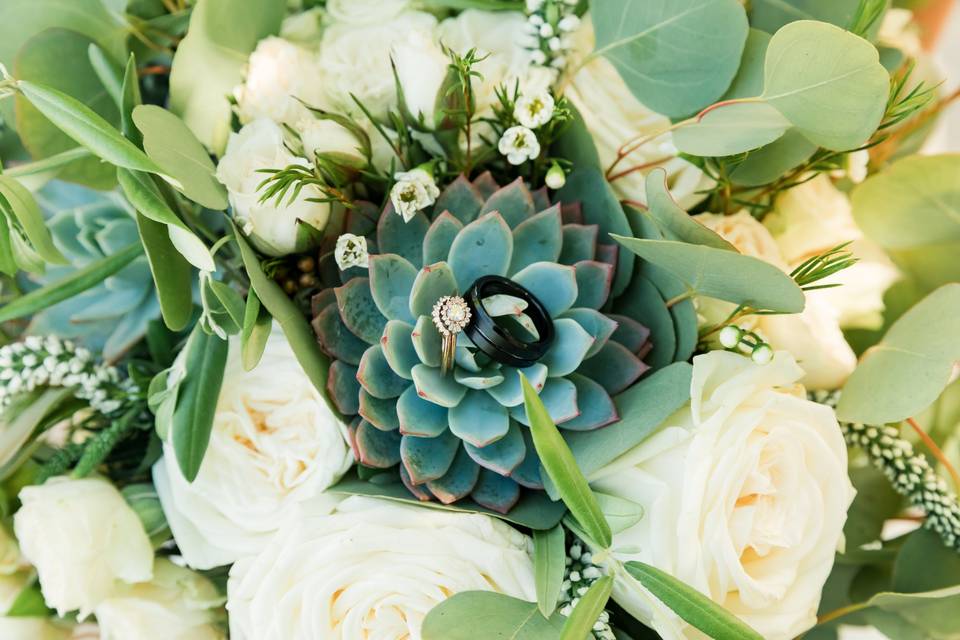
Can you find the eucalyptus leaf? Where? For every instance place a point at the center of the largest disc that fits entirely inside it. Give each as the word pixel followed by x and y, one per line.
pixel 71 285
pixel 171 144
pixel 673 221
pixel 559 464
pixel 257 324
pixel 197 397
pixel 768 163
pixel 906 371
pixel 487 615
pixel 928 614
pixel 749 79
pixel 731 128
pixel 695 608
pixel 549 562
pixel 171 273
pixel 24 208
pixel 770 15
pixel 722 274
pixel 676 57
pixel 209 62
pixel 588 610
pixel 827 82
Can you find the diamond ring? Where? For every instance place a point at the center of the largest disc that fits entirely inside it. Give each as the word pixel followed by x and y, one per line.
pixel 451 315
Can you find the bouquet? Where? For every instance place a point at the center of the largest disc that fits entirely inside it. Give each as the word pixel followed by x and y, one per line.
pixel 448 319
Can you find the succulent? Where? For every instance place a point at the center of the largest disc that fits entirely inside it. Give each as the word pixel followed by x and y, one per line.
pixel 113 315
pixel 466 434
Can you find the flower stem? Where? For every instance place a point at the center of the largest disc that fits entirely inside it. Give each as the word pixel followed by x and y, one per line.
pixel 937 452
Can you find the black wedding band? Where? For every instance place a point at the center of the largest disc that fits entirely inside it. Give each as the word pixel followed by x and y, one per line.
pixel 496 341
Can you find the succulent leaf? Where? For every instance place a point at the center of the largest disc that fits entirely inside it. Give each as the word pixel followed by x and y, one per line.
pixel 594 280
pixel 528 473
pixel 579 243
pixel 554 285
pixel 377 377
pixel 391 280
pixel 439 238
pixel 343 388
pixel 479 419
pixel 595 404
pixel 432 283
pixel 513 202
pixel 335 338
pixel 419 491
pixel 428 459
pixel 458 481
pixel 495 492
pixel 559 396
pixel 484 247
pixel 485 378
pixel 359 312
pixel 419 417
pixel 509 393
pixel 397 345
pixel 570 347
pixel 461 199
pixel 596 324
pixel 630 333
pixel 502 456
pixel 541 199
pixel 537 239
pixel 376 448
pixel 614 367
pixel 485 185
pixel 395 235
pixel 427 342
pixel 380 413
pixel 437 388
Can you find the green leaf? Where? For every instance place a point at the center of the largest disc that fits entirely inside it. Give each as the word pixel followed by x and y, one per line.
pixel 562 468
pixel 534 510
pixel 875 503
pixel 86 127
pixel 21 417
pixel 695 608
pixel 722 274
pixel 549 562
pixel 25 209
pixel 129 99
pixel 588 610
pixel 619 512
pixel 196 405
pixel 673 221
pixel 295 327
pixel 29 603
pixel 58 58
pixel 487 615
pixel 749 79
pixel 770 15
pixel 69 286
pixel 903 374
pixel 171 144
pixel 731 128
pixel 171 273
pixel 827 82
pixel 257 324
pixel 209 62
pixel 676 57
pixel 107 73
pixel 912 210
pixel 928 614
pixel 925 563
pixel 231 301
pixel 768 163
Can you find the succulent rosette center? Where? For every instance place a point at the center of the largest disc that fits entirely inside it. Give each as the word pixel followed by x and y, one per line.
pixel 466 433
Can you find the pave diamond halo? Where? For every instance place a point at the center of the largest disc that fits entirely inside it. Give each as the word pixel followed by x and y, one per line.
pixel 451 315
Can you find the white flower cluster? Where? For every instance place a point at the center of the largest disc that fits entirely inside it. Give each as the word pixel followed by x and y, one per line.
pixel 550 24
pixel 49 361
pixel 413 191
pixel 578 576
pixel 909 473
pixel 519 143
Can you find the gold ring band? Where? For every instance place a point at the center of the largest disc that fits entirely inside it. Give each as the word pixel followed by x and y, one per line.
pixel 451 315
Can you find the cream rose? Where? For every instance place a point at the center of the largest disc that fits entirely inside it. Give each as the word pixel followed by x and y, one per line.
pixel 745 494
pixel 279 72
pixel 614 117
pixel 275 443
pixel 373 569
pixel 320 135
pixel 812 336
pixel 276 228
pixel 84 541
pixel 31 629
pixel 355 59
pixel 421 68
pixel 365 11
pixel 177 604
pixel 815 217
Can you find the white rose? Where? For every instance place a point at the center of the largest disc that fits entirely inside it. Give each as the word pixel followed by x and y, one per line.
pixel 31 629
pixel 177 604
pixel 614 116
pixel 373 569
pixel 355 59
pixel 421 69
pixel 84 540
pixel 365 11
pixel 812 336
pixel 11 560
pixel 304 28
pixel 279 72
pixel 745 494
pixel 321 135
pixel 275 443
pixel 816 216
pixel 276 229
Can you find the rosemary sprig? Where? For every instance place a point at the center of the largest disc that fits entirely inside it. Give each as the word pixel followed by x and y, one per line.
pixel 822 266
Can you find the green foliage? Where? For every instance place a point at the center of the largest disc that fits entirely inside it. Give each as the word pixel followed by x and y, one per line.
pixel 549 557
pixel 647 41
pixel 823 265
pixel 691 605
pixel 562 468
pixel 25 241
pixel 588 610
pixel 733 128
pixel 770 15
pixel 101 444
pixel 209 62
pixel 196 403
pixel 907 370
pixel 172 275
pixel 486 615
pixel 257 324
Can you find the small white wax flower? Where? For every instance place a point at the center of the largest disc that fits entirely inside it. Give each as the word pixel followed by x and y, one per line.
pixel 569 23
pixel 730 336
pixel 546 30
pixel 351 251
pixel 534 5
pixel 556 177
pixel 413 191
pixel 762 354
pixel 519 144
pixel 534 111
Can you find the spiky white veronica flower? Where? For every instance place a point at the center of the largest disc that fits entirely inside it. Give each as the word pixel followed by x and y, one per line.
pixel 351 251
pixel 413 191
pixel 534 111
pixel 519 144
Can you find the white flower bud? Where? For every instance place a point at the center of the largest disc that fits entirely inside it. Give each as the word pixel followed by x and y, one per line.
pixel 762 353
pixel 730 336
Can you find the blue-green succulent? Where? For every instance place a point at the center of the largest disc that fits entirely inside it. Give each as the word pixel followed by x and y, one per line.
pixel 465 433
